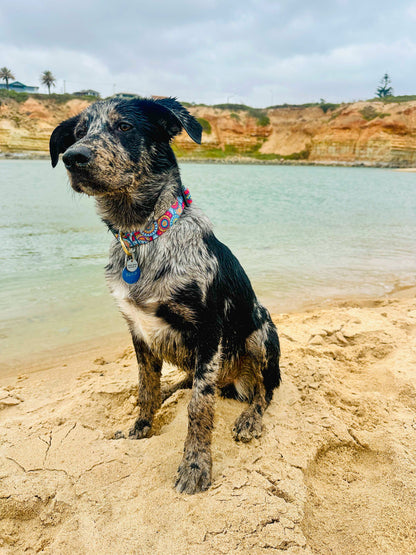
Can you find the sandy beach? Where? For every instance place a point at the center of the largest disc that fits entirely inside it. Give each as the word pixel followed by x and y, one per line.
pixel 334 471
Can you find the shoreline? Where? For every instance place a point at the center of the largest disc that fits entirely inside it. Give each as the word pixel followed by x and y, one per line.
pixel 238 160
pixel 105 346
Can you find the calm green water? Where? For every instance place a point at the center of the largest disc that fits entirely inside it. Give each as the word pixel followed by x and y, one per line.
pixel 303 234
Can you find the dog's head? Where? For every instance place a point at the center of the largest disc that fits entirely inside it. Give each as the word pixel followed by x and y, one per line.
pixel 112 145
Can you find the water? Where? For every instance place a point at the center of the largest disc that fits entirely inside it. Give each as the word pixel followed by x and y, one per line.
pixel 303 234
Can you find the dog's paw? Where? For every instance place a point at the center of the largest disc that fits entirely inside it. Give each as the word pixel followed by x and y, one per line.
pixel 247 426
pixel 194 475
pixel 140 429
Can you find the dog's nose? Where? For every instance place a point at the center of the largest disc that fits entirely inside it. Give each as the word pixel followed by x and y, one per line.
pixel 77 156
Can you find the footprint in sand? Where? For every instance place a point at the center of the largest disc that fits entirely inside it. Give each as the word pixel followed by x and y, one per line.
pixel 359 502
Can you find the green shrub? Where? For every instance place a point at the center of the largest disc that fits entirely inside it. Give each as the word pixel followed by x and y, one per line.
pixel 302 155
pixel 254 149
pixel 230 150
pixel 326 106
pixel 263 121
pixel 369 113
pixel 18 96
pixel 206 126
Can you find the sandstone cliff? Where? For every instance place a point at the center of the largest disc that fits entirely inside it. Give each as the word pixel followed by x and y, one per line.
pixel 369 133
pixel 27 126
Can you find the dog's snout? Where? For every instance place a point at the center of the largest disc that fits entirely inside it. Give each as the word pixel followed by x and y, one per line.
pixel 77 157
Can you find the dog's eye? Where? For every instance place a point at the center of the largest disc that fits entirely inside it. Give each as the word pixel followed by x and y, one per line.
pixel 81 131
pixel 123 126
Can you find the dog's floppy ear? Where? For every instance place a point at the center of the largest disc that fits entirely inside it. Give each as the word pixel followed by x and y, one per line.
pixel 62 138
pixel 181 119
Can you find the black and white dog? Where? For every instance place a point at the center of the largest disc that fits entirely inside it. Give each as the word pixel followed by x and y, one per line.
pixel 183 294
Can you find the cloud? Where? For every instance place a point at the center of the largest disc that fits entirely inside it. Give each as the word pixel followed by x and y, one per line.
pixel 258 52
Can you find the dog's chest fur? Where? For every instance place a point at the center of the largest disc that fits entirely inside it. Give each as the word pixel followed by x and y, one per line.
pixel 139 307
pixel 141 318
pixel 168 266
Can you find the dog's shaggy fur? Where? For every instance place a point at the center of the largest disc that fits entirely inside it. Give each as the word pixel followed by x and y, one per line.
pixel 193 305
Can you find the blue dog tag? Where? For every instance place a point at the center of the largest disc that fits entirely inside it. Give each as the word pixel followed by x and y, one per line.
pixel 131 272
pixel 131 277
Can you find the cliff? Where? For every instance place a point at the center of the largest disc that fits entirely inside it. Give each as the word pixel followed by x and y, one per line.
pixel 368 133
pixel 26 126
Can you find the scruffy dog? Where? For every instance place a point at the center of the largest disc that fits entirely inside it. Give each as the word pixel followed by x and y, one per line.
pixel 184 295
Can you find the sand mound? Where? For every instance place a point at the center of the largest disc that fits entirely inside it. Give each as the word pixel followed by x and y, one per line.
pixel 332 473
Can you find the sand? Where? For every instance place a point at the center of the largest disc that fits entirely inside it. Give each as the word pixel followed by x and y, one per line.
pixel 334 472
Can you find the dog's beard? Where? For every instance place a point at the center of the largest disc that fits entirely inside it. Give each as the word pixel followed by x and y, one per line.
pixel 87 187
pixel 96 187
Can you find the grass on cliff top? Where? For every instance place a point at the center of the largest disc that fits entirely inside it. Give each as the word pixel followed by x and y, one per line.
pixel 258 114
pixel 325 106
pixel 402 98
pixel 58 98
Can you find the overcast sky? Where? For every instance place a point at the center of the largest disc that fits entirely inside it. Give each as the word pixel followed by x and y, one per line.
pixel 259 53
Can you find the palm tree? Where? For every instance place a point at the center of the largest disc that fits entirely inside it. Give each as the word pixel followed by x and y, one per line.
pixel 5 75
pixel 48 79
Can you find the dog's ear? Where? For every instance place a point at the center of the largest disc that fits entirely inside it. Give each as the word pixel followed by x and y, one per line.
pixel 175 117
pixel 62 138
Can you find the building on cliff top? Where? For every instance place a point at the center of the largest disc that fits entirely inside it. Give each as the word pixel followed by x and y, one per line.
pixel 19 87
pixel 87 92
pixel 125 96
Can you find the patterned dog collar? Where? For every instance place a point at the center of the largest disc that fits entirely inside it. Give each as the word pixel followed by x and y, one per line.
pixel 157 227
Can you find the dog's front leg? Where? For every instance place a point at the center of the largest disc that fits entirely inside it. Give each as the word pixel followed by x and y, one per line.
pixel 149 399
pixel 194 472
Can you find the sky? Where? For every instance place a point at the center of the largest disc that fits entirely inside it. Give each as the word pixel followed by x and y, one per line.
pixel 259 53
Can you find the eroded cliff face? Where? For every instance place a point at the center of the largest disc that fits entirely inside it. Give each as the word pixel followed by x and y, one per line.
pixel 371 133
pixel 27 126
pixel 387 136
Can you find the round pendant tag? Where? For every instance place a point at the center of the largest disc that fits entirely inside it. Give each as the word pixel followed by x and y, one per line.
pixel 131 277
pixel 131 265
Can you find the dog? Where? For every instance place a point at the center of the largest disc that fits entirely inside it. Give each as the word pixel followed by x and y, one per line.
pixel 184 295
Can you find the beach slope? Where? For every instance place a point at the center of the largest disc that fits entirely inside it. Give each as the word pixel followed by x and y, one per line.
pixel 334 471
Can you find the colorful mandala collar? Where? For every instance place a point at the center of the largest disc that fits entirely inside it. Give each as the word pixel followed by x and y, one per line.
pixel 157 227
